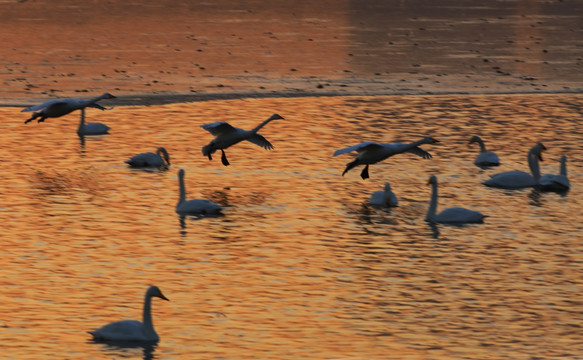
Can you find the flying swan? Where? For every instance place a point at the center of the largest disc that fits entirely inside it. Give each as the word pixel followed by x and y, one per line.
pixel 91 128
pixel 227 135
pixel 371 153
pixel 519 179
pixel 556 182
pixel 454 215
pixel 59 107
pixel 384 197
pixel 196 206
pixel 132 330
pixel 484 158
pixel 150 159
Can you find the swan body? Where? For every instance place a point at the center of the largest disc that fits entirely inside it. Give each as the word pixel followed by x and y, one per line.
pixel 132 330
pixel 454 215
pixel 196 206
pixel 227 135
pixel 485 158
pixel 519 179
pixel 160 159
pixel 558 182
pixel 91 128
pixel 59 107
pixel 371 153
pixel 384 197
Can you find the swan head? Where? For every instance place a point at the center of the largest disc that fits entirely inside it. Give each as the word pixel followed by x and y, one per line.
pixel 181 173
pixel 108 96
pixel 430 140
pixel 275 117
pixel 475 139
pixel 387 187
pixel 538 149
pixel 432 180
pixel 155 291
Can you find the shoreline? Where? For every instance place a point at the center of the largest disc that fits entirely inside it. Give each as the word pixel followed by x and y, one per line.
pixel 177 98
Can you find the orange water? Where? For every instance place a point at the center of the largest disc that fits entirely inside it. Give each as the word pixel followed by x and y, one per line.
pixel 300 265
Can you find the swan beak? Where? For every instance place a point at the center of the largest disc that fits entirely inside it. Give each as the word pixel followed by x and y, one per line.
pixel 163 297
pixel 434 140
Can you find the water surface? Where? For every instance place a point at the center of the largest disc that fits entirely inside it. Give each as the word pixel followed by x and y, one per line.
pixel 299 265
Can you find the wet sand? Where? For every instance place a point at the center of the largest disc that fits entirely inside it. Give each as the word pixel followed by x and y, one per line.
pixel 150 52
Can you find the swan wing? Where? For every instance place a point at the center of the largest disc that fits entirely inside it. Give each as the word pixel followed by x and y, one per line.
pixel 487 159
pixel 45 105
pixel 459 215
pixel 146 159
pixel 419 152
pixel 511 180
pixel 199 206
pixel 365 146
pixel 219 128
pixel 95 129
pixel 261 141
pixel 554 182
pixel 126 330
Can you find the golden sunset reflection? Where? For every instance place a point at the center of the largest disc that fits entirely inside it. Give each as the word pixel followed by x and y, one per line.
pixel 299 265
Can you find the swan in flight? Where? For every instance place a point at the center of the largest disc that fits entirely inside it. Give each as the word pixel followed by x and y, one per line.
pixel 196 206
pixel 556 182
pixel 519 179
pixel 384 197
pixel 59 107
pixel 227 135
pixel 371 153
pixel 91 128
pixel 133 330
pixel 160 159
pixel 484 158
pixel 454 215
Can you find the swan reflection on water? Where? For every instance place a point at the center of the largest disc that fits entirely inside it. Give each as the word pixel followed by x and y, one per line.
pixel 125 349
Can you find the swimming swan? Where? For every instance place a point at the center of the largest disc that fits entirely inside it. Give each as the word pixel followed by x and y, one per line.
pixel 384 197
pixel 454 215
pixel 59 107
pixel 132 330
pixel 556 182
pixel 196 206
pixel 519 179
pixel 91 128
pixel 372 153
pixel 484 158
pixel 150 159
pixel 227 135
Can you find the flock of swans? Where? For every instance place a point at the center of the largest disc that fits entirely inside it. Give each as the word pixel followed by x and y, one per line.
pixel 368 153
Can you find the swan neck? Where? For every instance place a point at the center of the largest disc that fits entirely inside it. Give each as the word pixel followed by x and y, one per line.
pixel 533 164
pixel 95 99
pixel 182 196
pixel 563 169
pixel 258 127
pixel 147 315
pixel 82 121
pixel 482 145
pixel 433 203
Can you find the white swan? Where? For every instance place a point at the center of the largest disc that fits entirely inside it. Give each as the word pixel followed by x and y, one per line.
pixel 150 159
pixel 59 107
pixel 454 215
pixel 556 182
pixel 372 153
pixel 484 158
pixel 132 330
pixel 91 128
pixel 519 179
pixel 196 206
pixel 227 135
pixel 384 197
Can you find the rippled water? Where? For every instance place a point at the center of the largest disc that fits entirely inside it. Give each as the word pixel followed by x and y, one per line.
pixel 300 265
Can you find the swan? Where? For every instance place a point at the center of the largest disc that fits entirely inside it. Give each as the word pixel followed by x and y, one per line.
pixel 91 128
pixel 59 107
pixel 519 179
pixel 556 182
pixel 484 158
pixel 454 215
pixel 371 153
pixel 150 159
pixel 227 135
pixel 132 330
pixel 384 197
pixel 196 206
